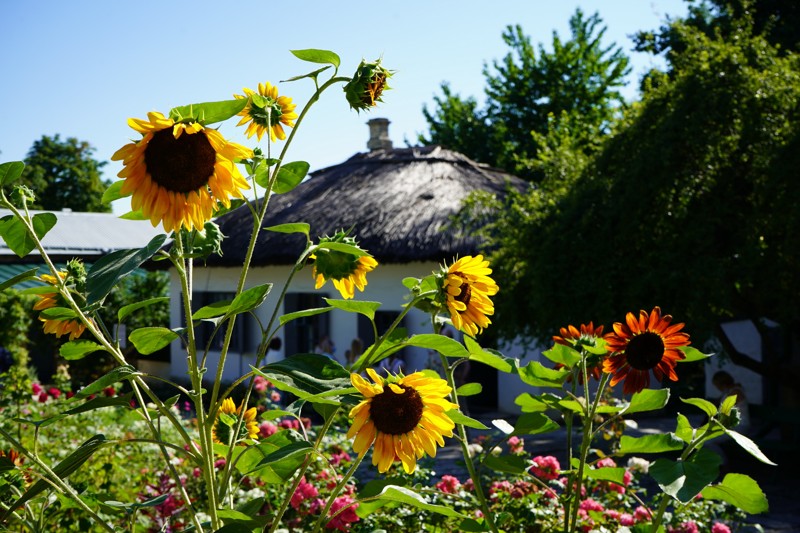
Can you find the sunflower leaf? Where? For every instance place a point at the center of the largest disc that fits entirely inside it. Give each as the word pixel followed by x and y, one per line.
pixel 289 176
pixel 739 490
pixel 208 112
pixel 10 172
pixel 57 313
pixel 403 495
pixel 306 375
pixel 355 306
pixel 469 389
pixel 491 358
pixel 342 247
pixel 15 232
pixel 312 74
pixel 121 373
pixel 444 345
pixel 692 354
pixel 663 442
pixel 134 215
pixel 19 278
pixel 707 407
pixel 749 446
pixel 538 375
pixel 305 312
pixel 565 355
pixel 460 418
pixel 297 227
pixel 75 350
pixel 647 400
pixel 114 192
pixel 533 424
pixel 268 462
pixel 128 309
pixel 683 480
pixel 249 299
pixel 110 269
pixel 150 340
pixel 313 55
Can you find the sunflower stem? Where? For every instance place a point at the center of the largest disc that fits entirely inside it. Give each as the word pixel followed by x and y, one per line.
pixel 336 490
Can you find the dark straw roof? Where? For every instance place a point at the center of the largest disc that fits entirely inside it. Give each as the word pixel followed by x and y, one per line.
pixel 398 202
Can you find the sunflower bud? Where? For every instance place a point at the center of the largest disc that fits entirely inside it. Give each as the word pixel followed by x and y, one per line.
pixel 348 271
pixel 367 85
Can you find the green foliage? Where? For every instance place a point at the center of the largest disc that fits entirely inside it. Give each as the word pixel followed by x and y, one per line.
pixel 64 175
pixel 576 82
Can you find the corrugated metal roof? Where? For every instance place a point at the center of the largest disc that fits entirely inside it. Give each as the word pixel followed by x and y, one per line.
pixel 89 234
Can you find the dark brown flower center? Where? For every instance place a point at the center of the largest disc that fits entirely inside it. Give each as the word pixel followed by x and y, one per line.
pixel 644 351
pixel 394 413
pixel 466 289
pixel 181 165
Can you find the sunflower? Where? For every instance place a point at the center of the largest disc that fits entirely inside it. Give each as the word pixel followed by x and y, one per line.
pixel 643 344
pixel 221 431
pixel 269 117
pixel 47 300
pixel 179 173
pixel 466 288
pixel 346 284
pixel 347 271
pixel 405 417
pixel 575 338
pixel 365 88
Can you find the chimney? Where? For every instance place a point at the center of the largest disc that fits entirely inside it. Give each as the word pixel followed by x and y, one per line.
pixel 379 134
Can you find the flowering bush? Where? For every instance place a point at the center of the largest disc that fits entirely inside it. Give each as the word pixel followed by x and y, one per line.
pixel 115 455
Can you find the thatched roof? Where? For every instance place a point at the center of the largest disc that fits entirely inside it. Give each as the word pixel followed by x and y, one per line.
pixel 398 202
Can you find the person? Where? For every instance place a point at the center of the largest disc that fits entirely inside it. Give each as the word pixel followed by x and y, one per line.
pixel 728 387
pixel 394 364
pixel 274 353
pixel 325 347
pixel 355 351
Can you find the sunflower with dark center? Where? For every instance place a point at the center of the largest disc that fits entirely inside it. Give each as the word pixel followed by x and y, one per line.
pixel 641 345
pixel 403 416
pixel 222 432
pixel 179 173
pixel 347 271
pixel 270 112
pixel 466 288
pixel 47 300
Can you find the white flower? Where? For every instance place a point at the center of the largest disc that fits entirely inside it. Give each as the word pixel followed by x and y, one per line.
pixel 637 464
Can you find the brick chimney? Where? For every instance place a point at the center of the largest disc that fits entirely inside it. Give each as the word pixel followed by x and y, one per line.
pixel 379 134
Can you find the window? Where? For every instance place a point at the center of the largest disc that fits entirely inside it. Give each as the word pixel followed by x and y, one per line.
pixel 302 334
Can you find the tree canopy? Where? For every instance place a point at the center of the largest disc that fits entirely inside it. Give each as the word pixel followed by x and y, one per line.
pixel 64 174
pixel 689 205
pixel 525 91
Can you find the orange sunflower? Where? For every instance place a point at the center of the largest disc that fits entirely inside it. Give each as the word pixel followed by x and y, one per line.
pixel 405 417
pixel 466 288
pixel 649 342
pixel 276 112
pixel 179 173
pixel 221 431
pixel 58 327
pixel 574 338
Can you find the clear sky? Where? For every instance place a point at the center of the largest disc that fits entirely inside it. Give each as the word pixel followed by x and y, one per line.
pixel 80 68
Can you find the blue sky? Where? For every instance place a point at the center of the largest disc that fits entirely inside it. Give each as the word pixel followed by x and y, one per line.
pixel 80 68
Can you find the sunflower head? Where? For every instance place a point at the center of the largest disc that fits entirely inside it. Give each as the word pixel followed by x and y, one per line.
pixel 649 342
pixel 52 298
pixel 364 90
pixel 464 290
pixel 228 417
pixel 348 271
pixel 405 417
pixel 179 172
pixel 266 111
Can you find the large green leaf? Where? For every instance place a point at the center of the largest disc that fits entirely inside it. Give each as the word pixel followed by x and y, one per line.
pixel 15 233
pixel 615 474
pixel 564 355
pixel 213 310
pixel 19 278
pixel 749 446
pixel 538 375
pixel 314 55
pixel 536 404
pixel 75 350
pixel 444 345
pixel 648 400
pixel 709 408
pixel 208 112
pixel 89 405
pixel 249 299
pixel 740 491
pixel 63 470
pixel 128 309
pixel 289 176
pixel 510 464
pixel 355 306
pixel 488 357
pixel 469 389
pixel 683 480
pixel 274 459
pixel 114 192
pixel 402 495
pixel 305 312
pixel 110 269
pixel 692 354
pixel 57 313
pixel 117 375
pixel 460 418
pixel 533 424
pixel 661 442
pixel 307 375
pixel 684 429
pixel 151 339
pixel 10 172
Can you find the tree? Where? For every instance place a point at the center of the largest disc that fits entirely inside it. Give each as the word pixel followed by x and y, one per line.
pixel 690 205
pixel 577 81
pixel 63 174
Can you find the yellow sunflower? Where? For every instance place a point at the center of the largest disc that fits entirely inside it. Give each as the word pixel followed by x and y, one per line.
pixel 466 288
pixel 643 344
pixel 179 173
pixel 346 283
pixel 278 111
pixel 405 417
pixel 47 300
pixel 221 432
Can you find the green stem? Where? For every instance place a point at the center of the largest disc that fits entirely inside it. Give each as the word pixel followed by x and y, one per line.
pixel 335 492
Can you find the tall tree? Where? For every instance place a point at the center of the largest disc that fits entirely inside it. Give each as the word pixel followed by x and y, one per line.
pixel 578 80
pixel 64 174
pixel 690 205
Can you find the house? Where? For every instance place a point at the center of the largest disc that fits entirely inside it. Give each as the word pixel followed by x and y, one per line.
pixel 398 202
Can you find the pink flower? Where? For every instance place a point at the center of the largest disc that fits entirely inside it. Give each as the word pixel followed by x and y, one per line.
pixel 686 527
pixel 43 397
pixel 219 463
pixel 275 396
pixel 340 457
pixel 449 484
pixel 304 491
pixel 266 428
pixel 469 485
pixel 626 519
pixel 642 514
pixel 500 486
pixel 590 505
pixel 261 384
pixel 719 527
pixel 110 391
pixel 289 423
pixel 36 388
pixel 70 394
pixel 54 392
pixel 516 445
pixel 546 467
pixel 346 517
pixel 605 462
pixel 612 514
